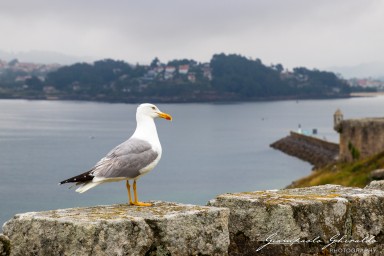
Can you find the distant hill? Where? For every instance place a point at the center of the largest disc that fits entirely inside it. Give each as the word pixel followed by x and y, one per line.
pixel 43 57
pixel 364 70
pixel 225 78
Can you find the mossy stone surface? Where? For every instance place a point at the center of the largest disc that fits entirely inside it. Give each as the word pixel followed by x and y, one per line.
pixel 169 228
pixel 312 215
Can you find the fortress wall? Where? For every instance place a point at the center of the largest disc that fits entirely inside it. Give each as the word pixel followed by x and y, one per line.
pixel 361 138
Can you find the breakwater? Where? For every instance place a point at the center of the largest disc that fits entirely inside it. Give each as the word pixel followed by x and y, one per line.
pixel 310 149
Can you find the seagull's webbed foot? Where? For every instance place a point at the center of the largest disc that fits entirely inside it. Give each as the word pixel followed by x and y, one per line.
pixel 136 201
pixel 140 204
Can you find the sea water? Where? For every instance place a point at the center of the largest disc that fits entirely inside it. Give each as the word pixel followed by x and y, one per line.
pixel 208 149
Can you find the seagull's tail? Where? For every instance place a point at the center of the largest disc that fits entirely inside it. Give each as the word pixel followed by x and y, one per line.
pixel 85 186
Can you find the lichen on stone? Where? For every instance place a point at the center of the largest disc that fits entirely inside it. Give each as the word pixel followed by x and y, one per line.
pixel 304 213
pixel 179 229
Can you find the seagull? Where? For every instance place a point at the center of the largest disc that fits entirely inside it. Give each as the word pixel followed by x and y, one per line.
pixel 131 159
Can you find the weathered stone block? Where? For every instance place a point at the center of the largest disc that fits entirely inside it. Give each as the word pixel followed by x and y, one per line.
pixel 376 184
pixel 321 220
pixel 163 229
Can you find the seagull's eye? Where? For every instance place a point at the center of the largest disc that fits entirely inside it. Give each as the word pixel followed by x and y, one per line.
pixel 153 108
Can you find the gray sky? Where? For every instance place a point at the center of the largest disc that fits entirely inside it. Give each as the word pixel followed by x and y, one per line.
pixel 311 33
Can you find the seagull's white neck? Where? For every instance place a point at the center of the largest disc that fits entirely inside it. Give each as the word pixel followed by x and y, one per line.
pixel 146 130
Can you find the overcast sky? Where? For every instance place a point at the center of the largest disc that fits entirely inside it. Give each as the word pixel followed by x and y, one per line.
pixel 311 33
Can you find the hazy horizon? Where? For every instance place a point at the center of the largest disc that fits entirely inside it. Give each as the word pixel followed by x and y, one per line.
pixel 313 34
pixel 362 70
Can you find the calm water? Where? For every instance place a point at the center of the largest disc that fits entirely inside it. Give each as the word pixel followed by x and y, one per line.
pixel 208 149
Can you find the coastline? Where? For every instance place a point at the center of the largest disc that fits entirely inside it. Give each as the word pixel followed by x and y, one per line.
pixel 366 94
pixel 203 99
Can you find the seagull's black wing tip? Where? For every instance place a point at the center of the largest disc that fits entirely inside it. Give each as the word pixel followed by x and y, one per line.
pixel 84 177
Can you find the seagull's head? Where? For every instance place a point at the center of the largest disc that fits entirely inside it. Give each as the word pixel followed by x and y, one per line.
pixel 150 110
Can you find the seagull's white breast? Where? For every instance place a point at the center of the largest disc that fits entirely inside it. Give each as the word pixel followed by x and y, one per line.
pixel 146 130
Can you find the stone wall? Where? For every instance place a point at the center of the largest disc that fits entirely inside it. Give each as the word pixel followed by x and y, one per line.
pixel 321 220
pixel 163 229
pixel 360 138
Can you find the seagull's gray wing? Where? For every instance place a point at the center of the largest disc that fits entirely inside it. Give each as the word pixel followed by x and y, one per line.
pixel 125 160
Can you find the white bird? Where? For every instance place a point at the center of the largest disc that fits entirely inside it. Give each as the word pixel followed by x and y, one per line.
pixel 131 159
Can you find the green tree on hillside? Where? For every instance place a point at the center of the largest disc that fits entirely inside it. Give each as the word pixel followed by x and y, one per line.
pixel 245 77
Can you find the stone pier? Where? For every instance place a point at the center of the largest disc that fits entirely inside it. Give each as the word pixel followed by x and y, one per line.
pixel 310 149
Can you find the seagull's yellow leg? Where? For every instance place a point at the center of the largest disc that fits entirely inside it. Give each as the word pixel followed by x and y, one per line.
pixel 129 193
pixel 136 202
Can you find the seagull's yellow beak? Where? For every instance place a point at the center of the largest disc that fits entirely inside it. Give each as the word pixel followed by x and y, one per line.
pixel 165 116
